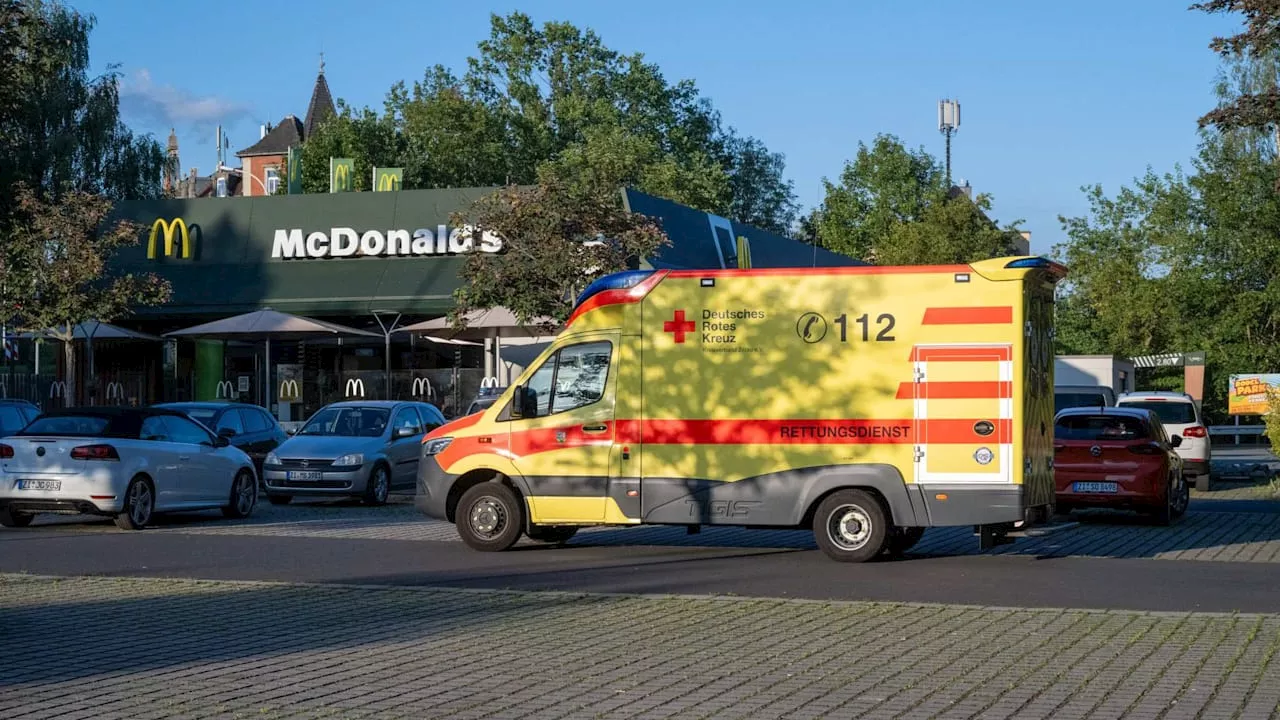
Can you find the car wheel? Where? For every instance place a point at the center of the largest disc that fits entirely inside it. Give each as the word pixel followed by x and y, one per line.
pixel 378 487
pixel 280 499
pixel 555 534
pixel 1163 515
pixel 11 519
pixel 1182 496
pixel 139 503
pixel 244 496
pixel 901 540
pixel 489 517
pixel 850 526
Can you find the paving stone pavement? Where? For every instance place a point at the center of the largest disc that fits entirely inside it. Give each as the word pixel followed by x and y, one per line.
pixel 1206 536
pixel 151 648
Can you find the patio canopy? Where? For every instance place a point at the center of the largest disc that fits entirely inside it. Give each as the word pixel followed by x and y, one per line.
pixel 268 324
pixel 93 329
pixel 482 324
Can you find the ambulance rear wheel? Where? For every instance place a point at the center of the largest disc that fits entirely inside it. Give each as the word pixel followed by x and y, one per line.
pixel 851 526
pixel 489 517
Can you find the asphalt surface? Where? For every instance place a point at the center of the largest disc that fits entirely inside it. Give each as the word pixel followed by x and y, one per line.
pixel 1009 581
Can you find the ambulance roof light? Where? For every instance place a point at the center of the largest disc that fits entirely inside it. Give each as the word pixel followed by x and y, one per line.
pixel 615 281
pixel 1030 262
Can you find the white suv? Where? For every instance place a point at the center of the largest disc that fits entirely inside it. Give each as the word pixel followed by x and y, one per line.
pixel 1180 416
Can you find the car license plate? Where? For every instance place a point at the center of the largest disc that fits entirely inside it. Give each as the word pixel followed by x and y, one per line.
pixel 305 475
pixel 44 485
pixel 1096 487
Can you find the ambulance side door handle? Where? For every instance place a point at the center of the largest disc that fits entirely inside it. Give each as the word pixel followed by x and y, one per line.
pixel 594 429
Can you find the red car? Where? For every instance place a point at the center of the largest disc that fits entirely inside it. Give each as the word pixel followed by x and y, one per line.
pixel 1117 457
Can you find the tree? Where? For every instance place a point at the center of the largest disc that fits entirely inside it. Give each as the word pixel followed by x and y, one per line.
pixel 366 137
pixel 953 231
pixel 556 239
pixel 1256 107
pixel 533 95
pixel 892 206
pixel 61 129
pixel 55 260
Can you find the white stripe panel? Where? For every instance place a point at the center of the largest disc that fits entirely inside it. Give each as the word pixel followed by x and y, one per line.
pixel 1006 408
pixel 1006 371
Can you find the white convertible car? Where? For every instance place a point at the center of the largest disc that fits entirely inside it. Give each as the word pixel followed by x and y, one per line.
pixel 126 463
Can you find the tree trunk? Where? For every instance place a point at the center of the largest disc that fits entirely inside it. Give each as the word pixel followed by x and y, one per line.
pixel 69 372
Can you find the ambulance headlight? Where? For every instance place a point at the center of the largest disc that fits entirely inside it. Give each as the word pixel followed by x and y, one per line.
pixel 436 446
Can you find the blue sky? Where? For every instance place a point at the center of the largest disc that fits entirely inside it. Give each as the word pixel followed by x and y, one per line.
pixel 1053 95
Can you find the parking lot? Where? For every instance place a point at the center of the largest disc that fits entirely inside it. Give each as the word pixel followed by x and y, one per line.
pixel 342 610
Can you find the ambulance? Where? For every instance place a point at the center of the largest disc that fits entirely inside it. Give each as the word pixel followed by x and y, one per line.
pixel 864 403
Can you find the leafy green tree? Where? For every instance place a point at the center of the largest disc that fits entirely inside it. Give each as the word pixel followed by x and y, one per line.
pixel 59 251
pixel 60 129
pixel 556 238
pixel 892 206
pixel 363 135
pixel 1257 104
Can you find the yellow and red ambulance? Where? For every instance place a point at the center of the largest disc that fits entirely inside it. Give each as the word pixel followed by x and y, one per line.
pixel 867 403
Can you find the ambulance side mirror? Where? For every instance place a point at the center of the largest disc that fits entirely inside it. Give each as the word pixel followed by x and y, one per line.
pixel 517 402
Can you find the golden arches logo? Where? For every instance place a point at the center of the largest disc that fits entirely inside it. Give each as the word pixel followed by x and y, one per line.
pixel 388 182
pixel 289 391
pixel 169 228
pixel 342 176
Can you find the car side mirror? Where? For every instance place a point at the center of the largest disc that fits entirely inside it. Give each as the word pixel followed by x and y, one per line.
pixel 226 432
pixel 401 433
pixel 517 401
pixel 1175 441
pixel 221 441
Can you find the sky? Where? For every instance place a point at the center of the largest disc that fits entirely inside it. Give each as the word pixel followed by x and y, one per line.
pixel 1054 96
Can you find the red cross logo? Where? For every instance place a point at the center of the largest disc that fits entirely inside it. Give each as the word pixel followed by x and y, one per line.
pixel 678 326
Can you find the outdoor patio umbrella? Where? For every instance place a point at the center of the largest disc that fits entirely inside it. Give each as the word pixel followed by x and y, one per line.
pixel 494 323
pixel 89 331
pixel 268 325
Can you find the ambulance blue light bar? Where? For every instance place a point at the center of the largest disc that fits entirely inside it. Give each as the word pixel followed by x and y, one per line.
pixel 616 281
pixel 1031 262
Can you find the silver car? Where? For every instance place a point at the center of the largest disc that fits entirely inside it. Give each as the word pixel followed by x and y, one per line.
pixel 361 449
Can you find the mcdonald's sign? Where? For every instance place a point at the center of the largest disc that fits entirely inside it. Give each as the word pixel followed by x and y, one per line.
pixel 422 386
pixel 290 391
pixel 388 179
pixel 341 172
pixel 224 390
pixel 169 228
pixel 355 387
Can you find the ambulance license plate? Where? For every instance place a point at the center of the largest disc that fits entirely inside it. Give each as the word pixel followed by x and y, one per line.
pixel 1096 487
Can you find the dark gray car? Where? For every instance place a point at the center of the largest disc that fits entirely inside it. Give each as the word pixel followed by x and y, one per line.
pixel 360 449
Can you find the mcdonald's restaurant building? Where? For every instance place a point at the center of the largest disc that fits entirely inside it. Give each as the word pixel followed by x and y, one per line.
pixel 369 260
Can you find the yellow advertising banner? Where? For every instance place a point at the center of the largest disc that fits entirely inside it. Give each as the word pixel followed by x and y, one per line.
pixel 1248 393
pixel 388 179
pixel 342 175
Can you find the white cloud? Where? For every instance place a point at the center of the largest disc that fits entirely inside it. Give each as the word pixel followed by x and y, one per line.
pixel 167 106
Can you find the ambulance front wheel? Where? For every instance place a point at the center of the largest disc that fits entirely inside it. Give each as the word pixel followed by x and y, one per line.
pixel 489 517
pixel 851 526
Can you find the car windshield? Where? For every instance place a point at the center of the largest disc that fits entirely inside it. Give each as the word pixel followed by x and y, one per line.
pixel 68 425
pixel 479 405
pixel 1066 401
pixel 1170 413
pixel 347 422
pixel 1099 427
